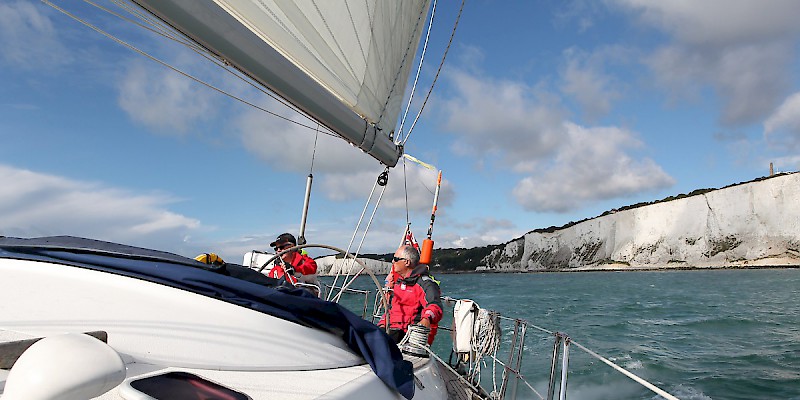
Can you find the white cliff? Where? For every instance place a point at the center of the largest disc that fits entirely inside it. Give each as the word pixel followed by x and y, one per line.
pixel 330 265
pixel 751 224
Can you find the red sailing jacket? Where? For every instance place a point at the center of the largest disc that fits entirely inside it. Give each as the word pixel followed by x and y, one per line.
pixel 412 299
pixel 301 263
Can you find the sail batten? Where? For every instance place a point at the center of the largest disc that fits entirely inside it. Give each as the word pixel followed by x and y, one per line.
pixel 344 63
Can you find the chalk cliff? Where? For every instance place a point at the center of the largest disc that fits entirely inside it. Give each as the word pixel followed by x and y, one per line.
pixel 330 265
pixel 750 224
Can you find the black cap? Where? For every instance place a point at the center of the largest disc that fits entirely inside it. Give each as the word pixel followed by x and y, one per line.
pixel 284 238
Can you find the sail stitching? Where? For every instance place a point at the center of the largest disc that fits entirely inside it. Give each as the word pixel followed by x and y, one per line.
pixel 355 31
pixel 338 46
pixel 402 62
pixel 438 71
pixel 300 42
pixel 416 76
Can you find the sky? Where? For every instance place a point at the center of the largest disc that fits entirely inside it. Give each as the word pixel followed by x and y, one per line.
pixel 545 112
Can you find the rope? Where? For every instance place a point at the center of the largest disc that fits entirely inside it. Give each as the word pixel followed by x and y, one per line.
pixel 485 342
pixel 416 340
pixel 487 334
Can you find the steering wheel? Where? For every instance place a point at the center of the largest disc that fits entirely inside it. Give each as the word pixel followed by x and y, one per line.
pixel 364 267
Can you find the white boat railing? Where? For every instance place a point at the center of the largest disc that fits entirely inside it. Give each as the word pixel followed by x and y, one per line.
pixel 509 364
pixel 506 372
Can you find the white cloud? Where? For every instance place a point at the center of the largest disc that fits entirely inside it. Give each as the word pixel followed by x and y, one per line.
pixel 342 171
pixel 576 14
pixel 785 164
pixel 483 231
pixel 719 22
pixel 566 166
pixel 783 126
pixel 749 80
pixel 742 49
pixel 420 184
pixel 35 204
pixel 290 147
pixel 28 38
pixel 151 94
pixel 592 165
pixel 501 119
pixel 583 78
pixel 164 100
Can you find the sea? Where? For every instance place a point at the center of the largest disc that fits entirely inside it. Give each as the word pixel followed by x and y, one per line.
pixel 697 334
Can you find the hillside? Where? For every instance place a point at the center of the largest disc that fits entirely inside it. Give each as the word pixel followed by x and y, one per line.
pixel 752 223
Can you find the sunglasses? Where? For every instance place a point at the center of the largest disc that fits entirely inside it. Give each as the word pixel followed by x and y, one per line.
pixel 283 247
pixel 396 259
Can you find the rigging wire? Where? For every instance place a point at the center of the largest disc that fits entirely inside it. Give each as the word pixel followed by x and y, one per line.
pixel 149 24
pixel 201 51
pixel 438 71
pixel 419 69
pixel 381 180
pixel 157 27
pixel 358 250
pixel 355 232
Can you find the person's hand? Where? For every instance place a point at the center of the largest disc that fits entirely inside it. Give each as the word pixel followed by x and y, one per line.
pixel 426 322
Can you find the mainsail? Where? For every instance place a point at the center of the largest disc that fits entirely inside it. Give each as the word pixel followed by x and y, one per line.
pixel 345 63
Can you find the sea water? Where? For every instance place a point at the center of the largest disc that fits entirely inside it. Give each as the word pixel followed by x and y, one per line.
pixel 704 334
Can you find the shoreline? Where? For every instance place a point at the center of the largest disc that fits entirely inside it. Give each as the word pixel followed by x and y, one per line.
pixel 772 263
pixel 613 269
pixel 785 262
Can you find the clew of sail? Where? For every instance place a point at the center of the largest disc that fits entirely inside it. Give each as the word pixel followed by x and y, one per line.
pixel 344 63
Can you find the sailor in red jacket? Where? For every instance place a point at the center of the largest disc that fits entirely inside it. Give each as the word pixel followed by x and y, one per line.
pixel 415 299
pixel 301 264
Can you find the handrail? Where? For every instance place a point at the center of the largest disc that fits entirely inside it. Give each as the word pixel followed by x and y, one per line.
pixel 627 373
pixel 515 355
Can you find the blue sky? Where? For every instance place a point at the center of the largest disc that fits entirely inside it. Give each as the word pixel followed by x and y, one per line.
pixel 546 112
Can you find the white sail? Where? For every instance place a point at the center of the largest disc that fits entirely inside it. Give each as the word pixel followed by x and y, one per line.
pixel 343 62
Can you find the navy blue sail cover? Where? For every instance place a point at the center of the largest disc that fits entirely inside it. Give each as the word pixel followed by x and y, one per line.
pixel 231 283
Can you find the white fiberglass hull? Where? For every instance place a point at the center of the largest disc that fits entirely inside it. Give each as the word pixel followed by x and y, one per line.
pixel 156 329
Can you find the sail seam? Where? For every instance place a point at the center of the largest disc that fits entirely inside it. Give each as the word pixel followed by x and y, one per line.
pixel 416 76
pixel 338 46
pixel 438 72
pixel 421 15
pixel 322 64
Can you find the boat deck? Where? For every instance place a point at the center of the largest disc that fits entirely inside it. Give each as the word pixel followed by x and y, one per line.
pixel 456 388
